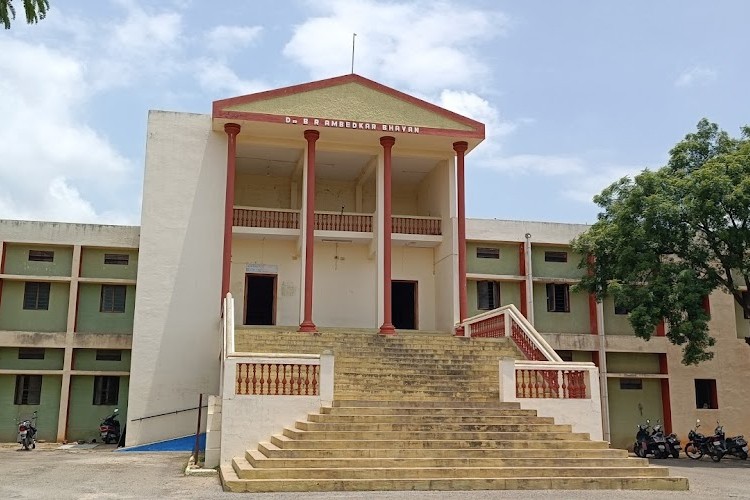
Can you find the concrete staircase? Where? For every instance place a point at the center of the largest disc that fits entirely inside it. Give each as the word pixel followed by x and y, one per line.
pixel 421 412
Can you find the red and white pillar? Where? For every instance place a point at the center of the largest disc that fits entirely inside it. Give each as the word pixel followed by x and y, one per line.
pixel 460 149
pixel 387 327
pixel 232 130
pixel 307 324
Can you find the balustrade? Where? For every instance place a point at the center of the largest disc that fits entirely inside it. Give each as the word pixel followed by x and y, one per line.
pixel 277 379
pixel 266 218
pixel 550 383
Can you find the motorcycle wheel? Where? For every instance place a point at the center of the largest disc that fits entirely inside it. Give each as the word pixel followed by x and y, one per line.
pixel 693 451
pixel 717 457
pixel 675 453
pixel 638 451
pixel 743 456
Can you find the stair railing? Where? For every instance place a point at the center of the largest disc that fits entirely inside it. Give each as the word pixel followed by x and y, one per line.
pixel 507 321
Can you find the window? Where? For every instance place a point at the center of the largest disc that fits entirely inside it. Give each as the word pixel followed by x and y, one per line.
pixel 119 259
pixel 558 297
pixel 41 255
pixel 28 389
pixel 113 299
pixel 565 355
pixel 36 296
pixel 631 384
pixel 705 394
pixel 745 299
pixel 621 309
pixel 488 253
pixel 488 295
pixel 30 353
pixel 106 390
pixel 108 355
pixel 555 256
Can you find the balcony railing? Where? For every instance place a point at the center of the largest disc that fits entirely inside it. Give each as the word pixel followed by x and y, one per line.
pixel 279 218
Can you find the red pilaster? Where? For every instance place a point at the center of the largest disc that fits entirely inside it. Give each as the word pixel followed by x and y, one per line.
pixel 232 130
pixel 460 149
pixel 387 327
pixel 661 331
pixel 593 320
pixel 307 322
pixel 666 405
pixel 522 272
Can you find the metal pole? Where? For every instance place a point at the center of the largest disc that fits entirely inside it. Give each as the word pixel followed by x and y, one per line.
pixel 196 447
pixel 354 37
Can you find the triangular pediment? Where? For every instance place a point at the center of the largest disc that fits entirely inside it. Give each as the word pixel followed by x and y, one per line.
pixel 352 98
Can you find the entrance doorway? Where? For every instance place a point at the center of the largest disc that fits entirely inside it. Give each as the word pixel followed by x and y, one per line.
pixel 404 305
pixel 260 299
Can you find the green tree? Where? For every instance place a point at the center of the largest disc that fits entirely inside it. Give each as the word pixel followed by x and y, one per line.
pixel 34 9
pixel 668 238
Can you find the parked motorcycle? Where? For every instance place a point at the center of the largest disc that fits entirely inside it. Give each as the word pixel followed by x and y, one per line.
pixel 650 443
pixel 699 444
pixel 109 428
pixel 672 441
pixel 27 433
pixel 736 446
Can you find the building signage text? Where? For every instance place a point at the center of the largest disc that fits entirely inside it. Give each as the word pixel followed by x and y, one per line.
pixel 380 127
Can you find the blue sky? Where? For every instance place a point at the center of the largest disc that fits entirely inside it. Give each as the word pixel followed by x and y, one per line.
pixel 575 94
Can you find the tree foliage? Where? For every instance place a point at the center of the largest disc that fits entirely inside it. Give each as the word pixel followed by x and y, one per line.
pixel 667 238
pixel 35 10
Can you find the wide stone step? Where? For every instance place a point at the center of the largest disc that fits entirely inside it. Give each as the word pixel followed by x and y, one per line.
pixel 246 471
pixel 232 482
pixel 426 419
pixel 472 412
pixel 259 460
pixel 271 450
pixel 416 394
pixel 405 403
pixel 427 435
pixel 441 427
pixel 420 442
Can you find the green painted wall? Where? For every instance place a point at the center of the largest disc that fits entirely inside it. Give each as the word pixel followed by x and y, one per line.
pixel 93 266
pixel 91 320
pixel 85 359
pixel 47 410
pixel 615 324
pixel 53 360
pixel 84 416
pixel 506 264
pixel 743 325
pixel 632 362
pixel 575 321
pixel 510 293
pixel 14 317
pixel 540 268
pixel 582 356
pixel 17 261
pixel 627 408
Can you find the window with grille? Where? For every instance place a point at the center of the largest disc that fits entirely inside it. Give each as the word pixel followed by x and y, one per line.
pixel 113 299
pixel 119 259
pixel 705 394
pixel 30 353
pixel 41 255
pixel 108 355
pixel 36 295
pixel 106 390
pixel 488 295
pixel 631 384
pixel 488 253
pixel 558 297
pixel 28 390
pixel 620 309
pixel 555 256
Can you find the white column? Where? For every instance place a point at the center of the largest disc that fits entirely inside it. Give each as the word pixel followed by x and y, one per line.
pixel 529 281
pixel 378 235
pixel 75 273
pixel 603 388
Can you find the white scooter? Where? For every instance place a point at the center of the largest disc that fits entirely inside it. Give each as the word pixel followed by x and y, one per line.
pixel 27 433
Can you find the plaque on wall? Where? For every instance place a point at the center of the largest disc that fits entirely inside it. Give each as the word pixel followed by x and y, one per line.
pixel 262 268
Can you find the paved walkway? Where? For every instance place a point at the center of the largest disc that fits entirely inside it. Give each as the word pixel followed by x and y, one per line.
pixel 49 473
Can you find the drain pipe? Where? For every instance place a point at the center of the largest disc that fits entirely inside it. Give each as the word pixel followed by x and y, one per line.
pixel 603 388
pixel 529 283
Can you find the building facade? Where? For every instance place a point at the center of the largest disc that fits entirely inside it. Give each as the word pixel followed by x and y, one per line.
pixel 333 204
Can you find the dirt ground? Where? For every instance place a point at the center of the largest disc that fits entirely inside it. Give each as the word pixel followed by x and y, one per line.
pixel 98 473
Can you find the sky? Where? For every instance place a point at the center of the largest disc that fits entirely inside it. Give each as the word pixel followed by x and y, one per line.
pixel 574 94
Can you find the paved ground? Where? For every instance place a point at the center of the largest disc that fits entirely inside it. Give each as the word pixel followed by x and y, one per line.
pixel 49 473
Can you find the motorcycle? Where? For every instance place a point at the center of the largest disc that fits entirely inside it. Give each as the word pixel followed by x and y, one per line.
pixel 699 445
pixel 672 441
pixel 650 443
pixel 27 433
pixel 736 446
pixel 109 428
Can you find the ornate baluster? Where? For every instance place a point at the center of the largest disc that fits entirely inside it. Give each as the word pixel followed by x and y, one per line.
pixel 277 380
pixel 268 385
pixel 315 380
pixel 307 380
pixel 299 380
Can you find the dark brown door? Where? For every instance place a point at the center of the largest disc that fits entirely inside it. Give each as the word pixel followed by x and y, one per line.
pixel 404 304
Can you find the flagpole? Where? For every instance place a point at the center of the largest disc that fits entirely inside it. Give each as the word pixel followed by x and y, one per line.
pixel 354 37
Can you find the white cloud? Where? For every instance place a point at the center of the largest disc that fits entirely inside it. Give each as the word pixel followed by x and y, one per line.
pixel 224 39
pixel 591 182
pixel 548 165
pixel 216 77
pixel 54 166
pixel 696 76
pixel 421 45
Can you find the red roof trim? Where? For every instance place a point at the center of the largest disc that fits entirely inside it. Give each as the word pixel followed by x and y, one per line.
pixel 219 111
